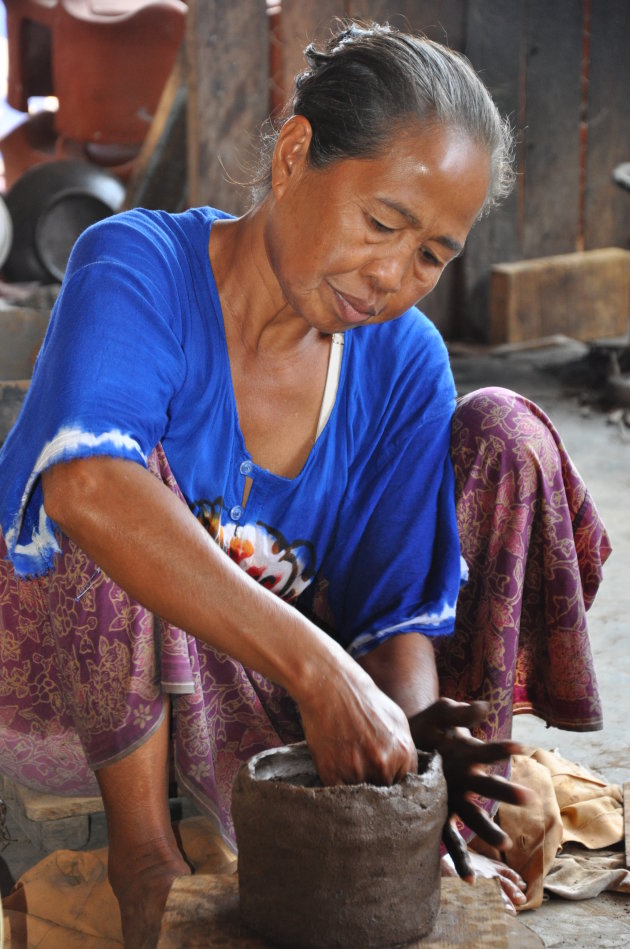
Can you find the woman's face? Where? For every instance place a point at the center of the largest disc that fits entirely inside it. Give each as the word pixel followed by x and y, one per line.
pixel 364 239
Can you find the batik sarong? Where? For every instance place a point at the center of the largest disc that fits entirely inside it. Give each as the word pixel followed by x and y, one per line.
pixel 84 669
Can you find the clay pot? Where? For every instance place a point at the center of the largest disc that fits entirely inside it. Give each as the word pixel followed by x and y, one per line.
pixel 346 866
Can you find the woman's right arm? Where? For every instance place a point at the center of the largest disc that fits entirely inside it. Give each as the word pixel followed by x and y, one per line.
pixel 149 543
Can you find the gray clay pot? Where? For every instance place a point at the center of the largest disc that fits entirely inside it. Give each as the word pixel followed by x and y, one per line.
pixel 347 866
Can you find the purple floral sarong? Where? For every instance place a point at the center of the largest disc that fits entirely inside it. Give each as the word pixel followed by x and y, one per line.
pixel 84 669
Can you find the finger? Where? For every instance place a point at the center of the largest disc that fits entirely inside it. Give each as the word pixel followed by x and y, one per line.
pixel 389 768
pixel 456 847
pixel 514 893
pixel 508 905
pixel 446 713
pixel 483 825
pixel 500 789
pixel 515 878
pixel 470 751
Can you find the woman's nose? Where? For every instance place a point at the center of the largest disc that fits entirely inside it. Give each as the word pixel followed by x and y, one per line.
pixel 388 272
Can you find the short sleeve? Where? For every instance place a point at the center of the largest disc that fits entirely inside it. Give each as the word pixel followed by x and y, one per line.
pixel 103 380
pixel 112 357
pixel 396 565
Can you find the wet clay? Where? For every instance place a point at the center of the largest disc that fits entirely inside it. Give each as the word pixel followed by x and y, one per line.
pixel 347 866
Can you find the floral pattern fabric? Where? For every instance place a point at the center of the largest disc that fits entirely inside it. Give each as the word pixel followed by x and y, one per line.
pixel 84 669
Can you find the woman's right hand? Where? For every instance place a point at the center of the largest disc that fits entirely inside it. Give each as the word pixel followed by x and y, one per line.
pixel 354 731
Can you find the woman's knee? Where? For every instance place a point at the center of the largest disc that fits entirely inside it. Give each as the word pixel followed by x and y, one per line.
pixel 497 415
pixel 487 401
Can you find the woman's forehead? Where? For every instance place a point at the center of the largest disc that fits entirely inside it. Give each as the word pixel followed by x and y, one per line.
pixel 418 163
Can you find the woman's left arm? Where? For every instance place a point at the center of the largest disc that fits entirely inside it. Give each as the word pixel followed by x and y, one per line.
pixel 404 668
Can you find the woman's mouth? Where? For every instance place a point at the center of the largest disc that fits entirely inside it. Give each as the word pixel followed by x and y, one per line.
pixel 354 310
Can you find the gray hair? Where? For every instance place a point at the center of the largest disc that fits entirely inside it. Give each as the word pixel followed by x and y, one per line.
pixel 365 85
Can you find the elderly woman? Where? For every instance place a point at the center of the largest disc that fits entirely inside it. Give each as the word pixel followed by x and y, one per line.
pixel 244 427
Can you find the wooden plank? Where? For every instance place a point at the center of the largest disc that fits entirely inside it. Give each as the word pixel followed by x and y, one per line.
pixel 607 206
pixel 495 46
pixel 50 821
pixel 38 806
pixel 551 167
pixel 304 23
pixel 64 833
pixel 584 295
pixel 440 20
pixel 381 11
pixel 158 179
pixel 202 911
pixel 442 304
pixel 228 97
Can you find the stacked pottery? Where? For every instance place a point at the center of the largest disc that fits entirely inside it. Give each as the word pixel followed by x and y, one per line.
pixel 344 866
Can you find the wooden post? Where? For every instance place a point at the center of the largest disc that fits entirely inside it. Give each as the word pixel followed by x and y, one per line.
pixel 303 23
pixel 494 45
pixel 607 207
pixel 552 135
pixel 228 97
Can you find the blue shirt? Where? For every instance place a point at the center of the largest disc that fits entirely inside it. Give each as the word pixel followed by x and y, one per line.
pixel 136 354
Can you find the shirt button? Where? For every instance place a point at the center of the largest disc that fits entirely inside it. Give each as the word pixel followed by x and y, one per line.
pixel 236 512
pixel 246 467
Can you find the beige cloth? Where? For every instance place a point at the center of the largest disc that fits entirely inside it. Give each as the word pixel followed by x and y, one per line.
pixel 575 806
pixel 580 876
pixel 65 901
pixel 590 808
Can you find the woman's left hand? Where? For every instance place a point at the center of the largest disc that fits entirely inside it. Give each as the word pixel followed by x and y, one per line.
pixel 445 727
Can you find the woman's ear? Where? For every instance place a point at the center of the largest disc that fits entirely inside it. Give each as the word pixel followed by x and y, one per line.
pixel 290 154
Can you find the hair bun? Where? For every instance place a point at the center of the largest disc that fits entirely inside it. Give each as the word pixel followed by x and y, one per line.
pixel 314 57
pixel 350 32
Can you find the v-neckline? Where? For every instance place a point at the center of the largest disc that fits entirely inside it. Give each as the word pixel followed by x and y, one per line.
pixel 331 385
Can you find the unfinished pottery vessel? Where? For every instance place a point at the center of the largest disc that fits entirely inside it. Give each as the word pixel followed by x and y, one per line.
pixel 346 866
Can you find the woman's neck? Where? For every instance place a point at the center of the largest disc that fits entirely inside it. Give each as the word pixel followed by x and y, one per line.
pixel 254 308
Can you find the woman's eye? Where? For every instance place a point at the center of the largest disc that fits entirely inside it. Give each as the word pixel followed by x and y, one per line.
pixel 382 228
pixel 430 257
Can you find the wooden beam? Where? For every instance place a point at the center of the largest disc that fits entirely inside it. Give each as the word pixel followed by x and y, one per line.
pixel 495 46
pixel 607 207
pixel 552 155
pixel 585 295
pixel 159 176
pixel 304 23
pixel 228 97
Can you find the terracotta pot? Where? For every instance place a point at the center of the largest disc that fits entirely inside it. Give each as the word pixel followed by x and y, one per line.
pixel 345 866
